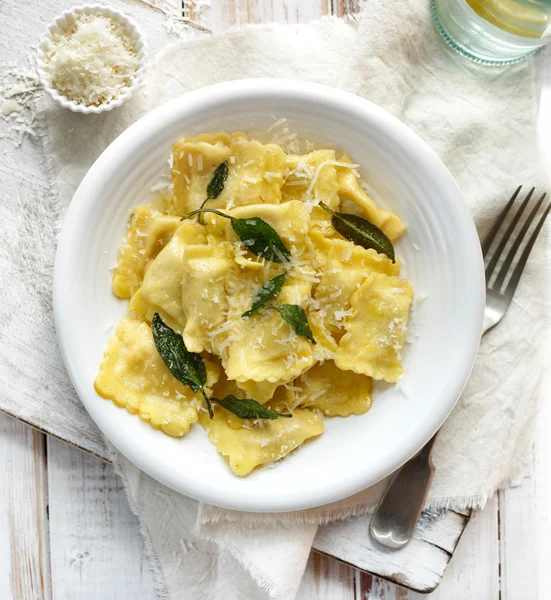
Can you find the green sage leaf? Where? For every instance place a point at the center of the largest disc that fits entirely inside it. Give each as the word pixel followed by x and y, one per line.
pixel 296 317
pixel 261 239
pixel 247 408
pixel 216 184
pixel 257 235
pixel 361 232
pixel 188 367
pixel 268 291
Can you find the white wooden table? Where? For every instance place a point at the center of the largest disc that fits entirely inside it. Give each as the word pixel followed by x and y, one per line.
pixel 66 530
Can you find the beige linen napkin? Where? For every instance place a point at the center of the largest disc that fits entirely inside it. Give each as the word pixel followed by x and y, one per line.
pixel 482 123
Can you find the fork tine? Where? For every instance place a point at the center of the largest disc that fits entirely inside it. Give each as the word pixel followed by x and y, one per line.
pixel 515 277
pixel 493 262
pixel 495 227
pixel 511 255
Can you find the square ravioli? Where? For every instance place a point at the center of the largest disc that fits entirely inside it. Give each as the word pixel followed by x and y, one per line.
pixel 133 375
pixel 376 329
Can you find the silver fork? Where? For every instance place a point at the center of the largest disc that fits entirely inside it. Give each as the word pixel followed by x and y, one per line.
pixel 400 507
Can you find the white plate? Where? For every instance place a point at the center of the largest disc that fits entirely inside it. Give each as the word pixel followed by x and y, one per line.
pixel 354 452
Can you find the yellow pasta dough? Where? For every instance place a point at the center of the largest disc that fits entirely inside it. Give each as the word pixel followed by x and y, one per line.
pixel 334 392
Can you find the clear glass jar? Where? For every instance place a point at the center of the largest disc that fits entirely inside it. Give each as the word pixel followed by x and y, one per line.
pixel 494 32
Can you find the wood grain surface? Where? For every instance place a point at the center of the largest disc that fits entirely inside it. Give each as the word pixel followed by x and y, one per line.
pixel 66 530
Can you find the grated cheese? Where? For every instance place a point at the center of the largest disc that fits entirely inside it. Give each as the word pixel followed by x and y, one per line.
pixel 269 176
pixel 18 87
pixel 276 123
pixel 92 62
pixel 10 106
pixel 335 163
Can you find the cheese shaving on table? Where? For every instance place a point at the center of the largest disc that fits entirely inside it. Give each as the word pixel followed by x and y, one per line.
pixel 92 62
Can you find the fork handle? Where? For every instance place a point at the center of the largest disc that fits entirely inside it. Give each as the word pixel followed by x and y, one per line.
pixel 400 507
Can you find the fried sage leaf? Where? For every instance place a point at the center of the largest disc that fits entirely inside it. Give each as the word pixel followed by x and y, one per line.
pixel 247 408
pixel 296 317
pixel 257 235
pixel 216 184
pixel 188 367
pixel 268 291
pixel 261 239
pixel 361 232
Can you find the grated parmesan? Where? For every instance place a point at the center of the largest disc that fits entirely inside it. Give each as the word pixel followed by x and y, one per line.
pixel 276 123
pixel 92 62
pixel 335 163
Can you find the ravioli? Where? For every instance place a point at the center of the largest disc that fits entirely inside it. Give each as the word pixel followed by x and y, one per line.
pixel 250 446
pixel 334 392
pixel 265 348
pixel 204 273
pixel 161 290
pixel 135 377
pixel 148 233
pixel 200 278
pixel 346 267
pixel 194 160
pixel 376 330
pixel 255 175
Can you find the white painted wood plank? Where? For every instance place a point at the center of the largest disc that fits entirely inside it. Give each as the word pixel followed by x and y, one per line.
pixel 327 579
pixel 96 548
pixel 525 518
pixel 542 489
pixel 25 570
pixel 222 15
pixel 519 548
pixel 542 500
pixel 342 8
pixel 474 569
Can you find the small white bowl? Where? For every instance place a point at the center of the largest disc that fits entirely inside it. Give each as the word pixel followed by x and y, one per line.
pixel 62 22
